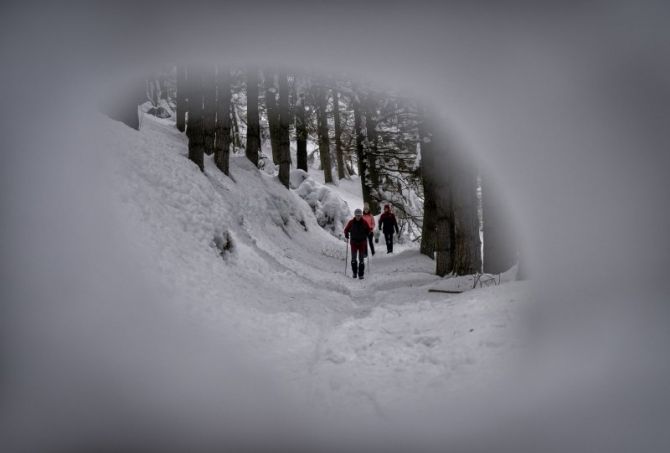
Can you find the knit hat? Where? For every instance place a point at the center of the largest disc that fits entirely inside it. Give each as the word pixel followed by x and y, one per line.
pixel 358 212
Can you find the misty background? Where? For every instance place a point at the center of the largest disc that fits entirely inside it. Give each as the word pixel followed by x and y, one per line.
pixel 566 104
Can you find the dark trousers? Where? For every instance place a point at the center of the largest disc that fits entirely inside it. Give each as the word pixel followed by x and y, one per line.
pixel 359 251
pixel 371 241
pixel 388 237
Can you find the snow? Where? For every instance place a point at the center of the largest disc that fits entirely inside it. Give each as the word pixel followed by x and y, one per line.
pixel 264 265
pixel 331 211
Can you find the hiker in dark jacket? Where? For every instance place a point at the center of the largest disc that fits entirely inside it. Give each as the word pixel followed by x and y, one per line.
pixel 388 224
pixel 357 230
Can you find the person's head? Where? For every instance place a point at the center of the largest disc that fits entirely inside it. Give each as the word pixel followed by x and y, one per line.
pixel 358 213
pixel 366 208
pixel 387 208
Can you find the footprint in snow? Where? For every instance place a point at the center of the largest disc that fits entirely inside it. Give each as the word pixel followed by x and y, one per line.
pixel 429 342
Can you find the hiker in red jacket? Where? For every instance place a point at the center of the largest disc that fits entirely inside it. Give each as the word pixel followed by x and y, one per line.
pixel 368 217
pixel 359 230
pixel 388 224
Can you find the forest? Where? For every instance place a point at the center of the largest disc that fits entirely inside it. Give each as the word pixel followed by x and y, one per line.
pixel 403 154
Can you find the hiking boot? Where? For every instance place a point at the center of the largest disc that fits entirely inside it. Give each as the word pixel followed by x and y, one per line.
pixel 356 276
pixel 360 277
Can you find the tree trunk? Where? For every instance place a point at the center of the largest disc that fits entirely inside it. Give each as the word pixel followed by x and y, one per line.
pixel 209 108
pixel 237 142
pixel 301 131
pixel 338 136
pixel 438 220
pixel 253 127
pixel 372 140
pixel 194 131
pixel 467 259
pixel 272 114
pixel 444 239
pixel 283 131
pixel 360 151
pixel 182 102
pixel 429 223
pixel 222 138
pixel 324 141
pixel 500 247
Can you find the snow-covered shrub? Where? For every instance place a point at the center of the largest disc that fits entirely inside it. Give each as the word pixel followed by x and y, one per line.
pixel 330 210
pixel 266 165
pixel 297 177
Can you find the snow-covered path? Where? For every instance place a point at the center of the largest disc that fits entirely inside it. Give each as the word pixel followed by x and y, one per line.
pixel 249 257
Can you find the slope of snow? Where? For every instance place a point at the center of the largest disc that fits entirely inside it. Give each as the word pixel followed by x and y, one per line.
pixel 250 258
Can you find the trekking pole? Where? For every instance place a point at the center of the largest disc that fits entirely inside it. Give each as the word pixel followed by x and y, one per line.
pixel 346 258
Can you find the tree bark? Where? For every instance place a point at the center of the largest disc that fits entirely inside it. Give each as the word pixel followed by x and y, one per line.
pixel 253 127
pixel 301 131
pixel 438 221
pixel 182 102
pixel 338 136
pixel 467 245
pixel 464 261
pixel 195 129
pixel 360 150
pixel 272 114
pixel 209 108
pixel 324 141
pixel 283 132
pixel 372 142
pixel 237 142
pixel 444 238
pixel 429 221
pixel 222 138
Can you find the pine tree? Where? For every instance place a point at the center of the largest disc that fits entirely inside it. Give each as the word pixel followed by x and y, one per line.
pixel 429 223
pixel 283 131
pixel 301 129
pixel 324 141
pixel 222 138
pixel 439 217
pixel 209 108
pixel 195 129
pixel 360 149
pixel 371 152
pixel 253 126
pixel 272 112
pixel 338 135
pixel 466 247
pixel 182 102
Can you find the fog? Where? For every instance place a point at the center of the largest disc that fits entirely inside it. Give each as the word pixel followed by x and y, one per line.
pixel 567 105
